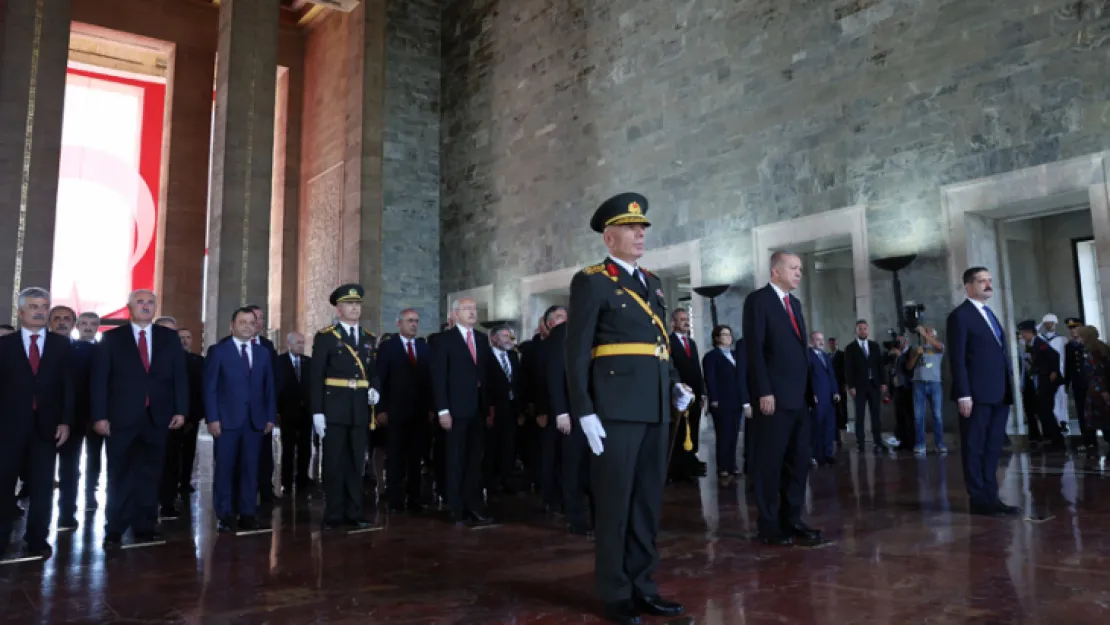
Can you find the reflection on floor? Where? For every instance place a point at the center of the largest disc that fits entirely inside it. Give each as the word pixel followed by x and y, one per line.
pixel 902 551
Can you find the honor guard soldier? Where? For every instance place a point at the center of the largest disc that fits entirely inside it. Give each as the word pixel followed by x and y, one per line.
pixel 1075 377
pixel 343 390
pixel 620 380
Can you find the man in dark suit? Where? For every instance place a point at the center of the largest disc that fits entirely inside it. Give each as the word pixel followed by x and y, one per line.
pixel 240 404
pixel 774 336
pixel 621 380
pixel 1045 368
pixel 460 383
pixel 293 387
pixel 740 354
pixel 88 324
pixel 139 390
pixel 36 414
pixel 982 388
pixel 575 457
pixel 175 444
pixel 863 373
pixel 344 386
pixel 62 320
pixel 534 428
pixel 505 385
pixel 685 465
pixel 437 448
pixel 266 492
pixel 179 480
pixel 837 356
pixel 823 414
pixel 405 366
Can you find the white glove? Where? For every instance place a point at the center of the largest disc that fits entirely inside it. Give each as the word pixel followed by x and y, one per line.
pixel 591 427
pixel 682 397
pixel 562 423
pixel 372 397
pixel 320 424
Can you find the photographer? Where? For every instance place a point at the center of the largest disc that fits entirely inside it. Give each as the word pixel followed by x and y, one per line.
pixel 898 351
pixel 925 362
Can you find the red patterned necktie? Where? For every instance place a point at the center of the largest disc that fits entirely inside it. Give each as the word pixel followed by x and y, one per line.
pixel 412 354
pixel 470 345
pixel 34 355
pixel 686 344
pixel 144 355
pixel 793 319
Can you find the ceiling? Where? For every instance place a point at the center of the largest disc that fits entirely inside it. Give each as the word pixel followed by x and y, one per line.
pixel 293 12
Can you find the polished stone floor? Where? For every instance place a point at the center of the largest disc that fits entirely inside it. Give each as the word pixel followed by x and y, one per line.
pixel 901 550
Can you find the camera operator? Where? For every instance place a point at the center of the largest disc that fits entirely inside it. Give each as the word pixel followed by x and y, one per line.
pixel 902 383
pixel 925 363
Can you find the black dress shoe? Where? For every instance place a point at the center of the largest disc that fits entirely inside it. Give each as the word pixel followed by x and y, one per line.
pixel 777 541
pixel 881 448
pixel 1008 510
pixel 332 525
pixel 113 541
pixel 225 526
pixel 580 529
pixel 148 537
pixel 658 606
pixel 415 507
pixel 803 533
pixel 360 524
pixel 169 512
pixel 991 511
pixel 38 550
pixel 396 508
pixel 622 613
pixel 477 517
pixel 830 460
pixel 248 523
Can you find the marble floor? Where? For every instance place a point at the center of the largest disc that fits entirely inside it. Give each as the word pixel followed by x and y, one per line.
pixel 901 550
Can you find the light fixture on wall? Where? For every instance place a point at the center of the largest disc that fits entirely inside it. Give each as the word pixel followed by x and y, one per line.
pixel 711 292
pixel 894 264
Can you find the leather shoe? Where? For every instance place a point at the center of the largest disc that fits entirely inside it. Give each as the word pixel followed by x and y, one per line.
pixel 478 517
pixel 113 541
pixel 360 524
pixel 658 606
pixel 580 529
pixel 622 613
pixel 777 541
pixel 992 511
pixel 415 507
pixel 147 537
pixel 332 525
pixel 225 526
pixel 248 523
pixel 1008 510
pixel 803 532
pixel 830 460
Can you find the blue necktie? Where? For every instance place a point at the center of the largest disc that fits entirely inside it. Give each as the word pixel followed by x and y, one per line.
pixel 997 327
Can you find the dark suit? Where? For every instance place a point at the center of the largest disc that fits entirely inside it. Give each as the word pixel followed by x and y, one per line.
pixel 726 388
pixel 534 389
pixel 32 406
pixel 575 450
pixel 505 399
pixel 778 367
pixel 407 399
pixel 740 353
pixel 347 412
pixel 266 455
pixel 293 388
pixel 980 368
pixel 138 404
pixel 460 387
pixel 631 395
pixel 685 463
pixel 238 393
pixel 181 444
pixel 864 374
pixel 842 407
pixel 822 380
pixel 1046 361
pixel 69 454
pixel 548 439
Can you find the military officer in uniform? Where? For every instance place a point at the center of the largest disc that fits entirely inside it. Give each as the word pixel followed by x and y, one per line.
pixel 620 380
pixel 1075 377
pixel 343 389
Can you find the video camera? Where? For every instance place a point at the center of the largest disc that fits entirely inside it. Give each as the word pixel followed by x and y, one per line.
pixel 912 316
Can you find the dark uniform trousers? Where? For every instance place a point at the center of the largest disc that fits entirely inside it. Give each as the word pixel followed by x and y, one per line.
pixel 344 450
pixel 27 453
pixel 551 443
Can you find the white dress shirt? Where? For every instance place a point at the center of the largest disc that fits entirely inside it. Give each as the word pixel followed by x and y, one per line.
pixel 41 332
pixel 405 342
pixel 782 294
pixel 633 270
pixel 135 330
pixel 980 306
pixel 347 329
pixel 239 349
pixel 728 354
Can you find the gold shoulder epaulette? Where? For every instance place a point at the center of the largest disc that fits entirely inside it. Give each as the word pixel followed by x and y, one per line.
pixel 327 329
pixel 647 272
pixel 592 269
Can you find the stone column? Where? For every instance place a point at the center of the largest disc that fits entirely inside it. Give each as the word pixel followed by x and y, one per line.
pixel 34 47
pixel 242 161
pixel 183 220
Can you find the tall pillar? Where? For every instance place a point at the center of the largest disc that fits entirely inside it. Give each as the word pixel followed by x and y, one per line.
pixel 242 161
pixel 362 184
pixel 179 273
pixel 34 47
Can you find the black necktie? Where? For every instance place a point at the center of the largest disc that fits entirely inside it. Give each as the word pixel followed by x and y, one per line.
pixel 351 337
pixel 297 367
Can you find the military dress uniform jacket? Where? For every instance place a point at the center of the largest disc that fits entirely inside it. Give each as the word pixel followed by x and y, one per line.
pixel 617 353
pixel 1075 373
pixel 339 384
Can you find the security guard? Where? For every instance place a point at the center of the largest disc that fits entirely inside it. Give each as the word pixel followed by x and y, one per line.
pixel 619 379
pixel 344 386
pixel 1075 377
